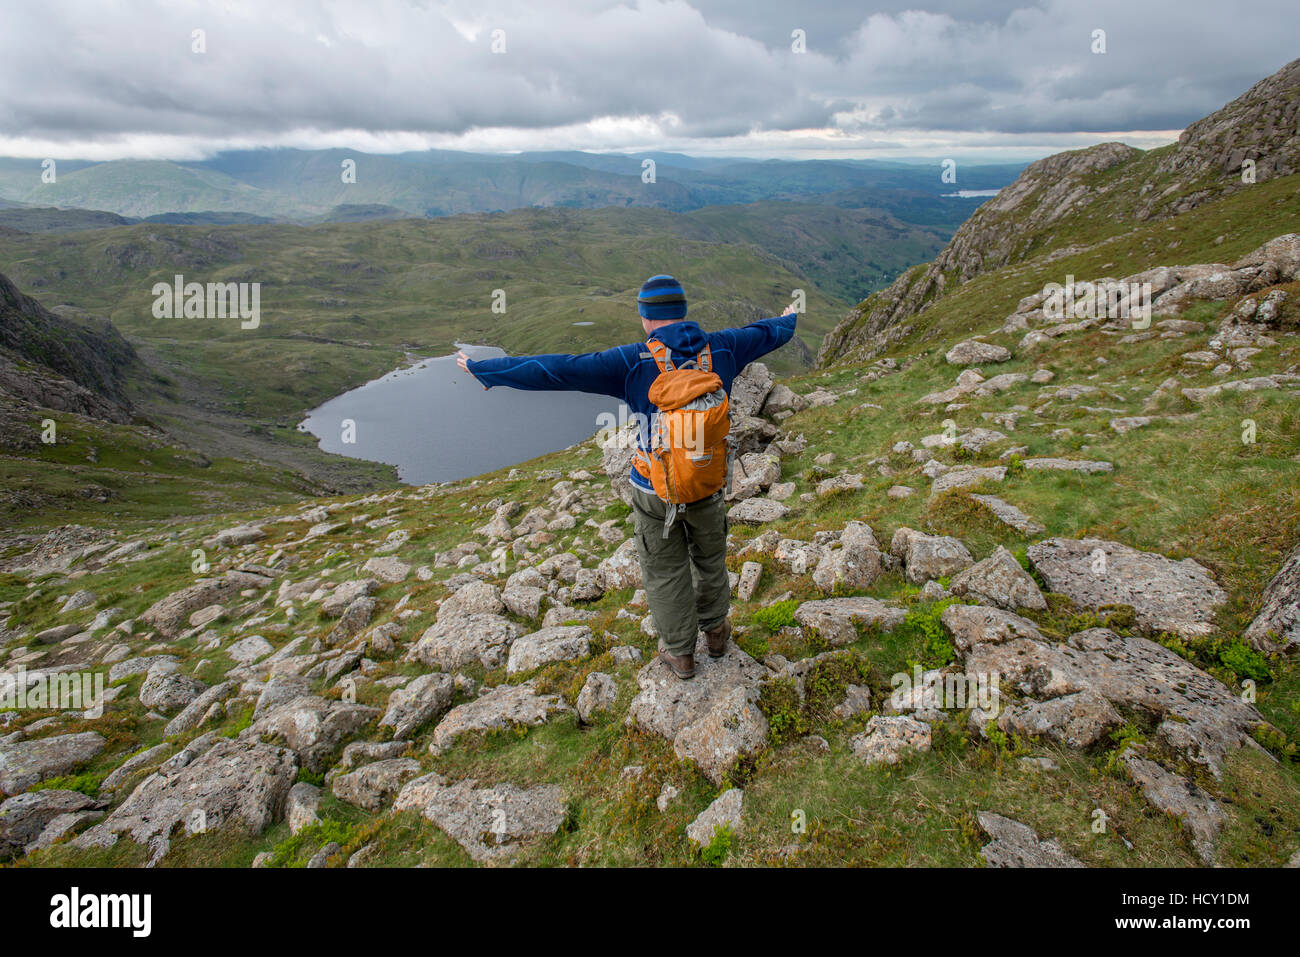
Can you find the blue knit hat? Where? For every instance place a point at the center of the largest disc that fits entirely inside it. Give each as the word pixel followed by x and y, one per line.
pixel 661 297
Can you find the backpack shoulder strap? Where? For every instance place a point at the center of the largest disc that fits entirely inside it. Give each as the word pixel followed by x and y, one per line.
pixel 705 359
pixel 659 352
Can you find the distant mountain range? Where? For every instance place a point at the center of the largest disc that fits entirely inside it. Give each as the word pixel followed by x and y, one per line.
pixel 307 186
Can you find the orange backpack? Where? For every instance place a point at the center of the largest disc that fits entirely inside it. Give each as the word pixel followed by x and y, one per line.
pixel 688 454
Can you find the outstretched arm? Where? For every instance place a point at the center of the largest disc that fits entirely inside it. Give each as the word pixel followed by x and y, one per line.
pixel 759 338
pixel 603 373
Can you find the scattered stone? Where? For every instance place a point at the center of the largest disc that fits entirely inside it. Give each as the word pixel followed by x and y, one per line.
pixel 1075 720
pixel 312 727
pixel 835 618
pixel 489 823
pixel 1277 626
pixel 454 642
pixel 886 738
pixel 723 813
pixel 423 699
pixel 999 580
pixel 562 643
pixel 965 477
pixel 1067 465
pixel 25 818
pixel 250 649
pixel 505 706
pixel 711 719
pixel 928 556
pixel 1009 515
pixel 750 575
pixel 233 537
pixel 301 806
pixel 973 352
pixel 387 568
pixel 599 693
pixel 374 785
pixel 1016 845
pixel 169 615
pixel 757 511
pixel 1179 797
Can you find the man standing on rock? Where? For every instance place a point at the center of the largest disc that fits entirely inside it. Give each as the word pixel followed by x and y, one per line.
pixel 681 541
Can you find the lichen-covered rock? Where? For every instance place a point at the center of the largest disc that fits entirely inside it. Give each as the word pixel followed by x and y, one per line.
pixel 888 737
pixel 1075 720
pixel 622 569
pixel 704 719
pixel 1167 595
pixel 928 556
pixel 733 729
pixel 421 700
pixel 24 763
pixel 345 594
pixel 835 618
pixel 165 689
pixel 233 783
pixel 757 511
pixel 169 615
pixel 855 565
pixel 473 598
pixel 1016 845
pixel 1277 625
pixel 999 580
pixel 24 817
pixel 503 707
pixel 373 785
pixel 1183 799
pixel 454 642
pixel 725 812
pixel 301 806
pixel 973 352
pixel 312 727
pixel 599 692
pixel 561 643
pixel 490 823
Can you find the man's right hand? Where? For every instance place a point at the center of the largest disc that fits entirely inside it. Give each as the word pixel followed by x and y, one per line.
pixel 462 360
pixel 789 310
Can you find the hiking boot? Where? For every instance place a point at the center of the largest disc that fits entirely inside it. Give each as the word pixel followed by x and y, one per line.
pixel 716 638
pixel 683 666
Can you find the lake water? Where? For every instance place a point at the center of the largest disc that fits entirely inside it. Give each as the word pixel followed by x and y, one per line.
pixel 438 424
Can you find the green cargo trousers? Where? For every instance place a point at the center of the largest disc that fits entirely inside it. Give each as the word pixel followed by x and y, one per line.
pixel 685 574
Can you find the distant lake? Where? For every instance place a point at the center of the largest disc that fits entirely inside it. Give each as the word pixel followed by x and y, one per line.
pixel 974 193
pixel 437 424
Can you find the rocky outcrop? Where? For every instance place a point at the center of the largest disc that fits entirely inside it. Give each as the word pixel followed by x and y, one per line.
pixel 490 823
pixel 1166 595
pixel 1033 215
pixel 24 763
pixel 240 784
pixel 713 719
pixel 1277 626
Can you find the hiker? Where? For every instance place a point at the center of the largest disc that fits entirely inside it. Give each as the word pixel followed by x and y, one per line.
pixel 681 468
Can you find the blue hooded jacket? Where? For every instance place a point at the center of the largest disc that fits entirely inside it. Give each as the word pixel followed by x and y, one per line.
pixel 627 372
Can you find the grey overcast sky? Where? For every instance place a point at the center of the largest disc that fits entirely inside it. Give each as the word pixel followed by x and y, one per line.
pixel 96 79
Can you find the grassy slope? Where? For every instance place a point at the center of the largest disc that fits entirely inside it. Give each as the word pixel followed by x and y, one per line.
pixel 341 302
pixel 1182 487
